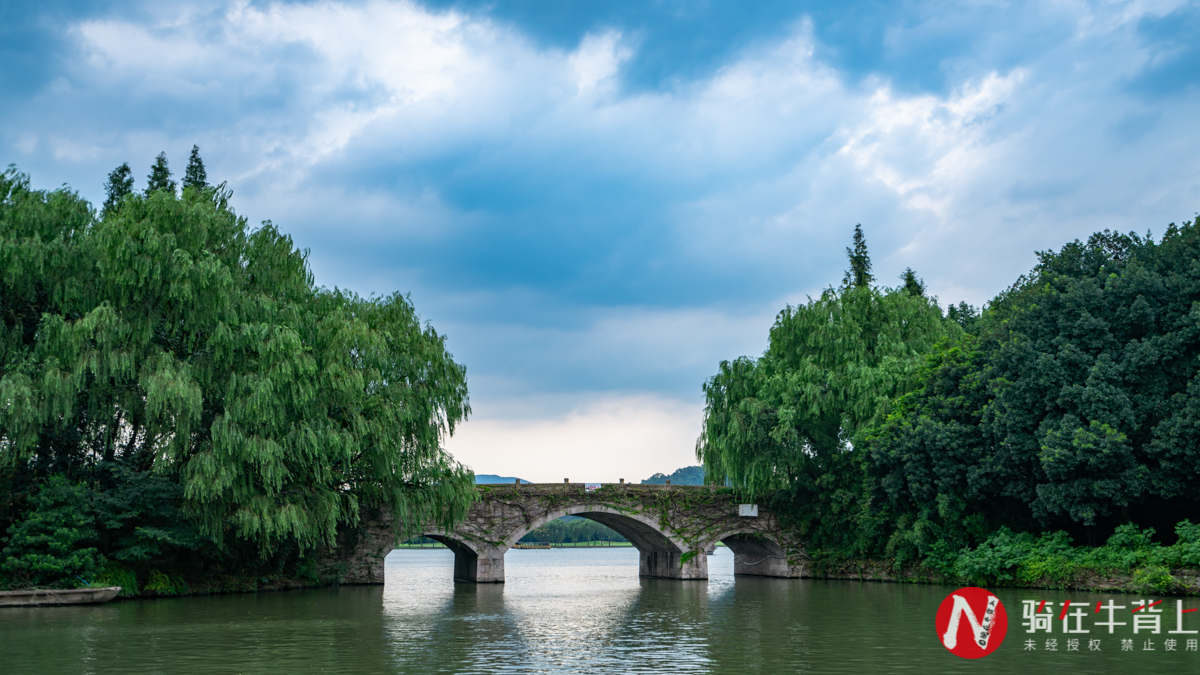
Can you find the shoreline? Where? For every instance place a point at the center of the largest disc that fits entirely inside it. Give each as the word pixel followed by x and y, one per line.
pixel 1179 582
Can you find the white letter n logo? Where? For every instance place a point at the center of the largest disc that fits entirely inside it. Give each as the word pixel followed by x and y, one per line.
pixel 982 631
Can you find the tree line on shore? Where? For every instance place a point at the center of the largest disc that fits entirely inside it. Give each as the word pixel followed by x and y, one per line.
pixel 179 399
pixel 1065 411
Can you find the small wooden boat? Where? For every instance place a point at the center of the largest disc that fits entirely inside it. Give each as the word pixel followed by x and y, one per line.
pixel 75 596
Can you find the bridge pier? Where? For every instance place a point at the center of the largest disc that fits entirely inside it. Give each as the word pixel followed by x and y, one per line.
pixel 670 565
pixel 486 567
pixel 482 565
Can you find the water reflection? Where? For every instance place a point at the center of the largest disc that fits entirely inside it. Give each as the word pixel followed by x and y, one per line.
pixel 562 611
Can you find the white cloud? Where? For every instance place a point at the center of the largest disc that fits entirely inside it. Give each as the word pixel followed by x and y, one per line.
pixel 359 127
pixel 601 440
pixel 921 147
pixel 597 60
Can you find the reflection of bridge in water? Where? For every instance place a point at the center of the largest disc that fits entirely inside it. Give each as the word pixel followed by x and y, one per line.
pixel 672 526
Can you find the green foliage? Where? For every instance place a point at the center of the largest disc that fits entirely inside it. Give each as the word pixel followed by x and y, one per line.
pixel 161 583
pixel 1095 369
pixel 160 179
pixel 1154 579
pixel 120 183
pixel 912 285
pixel 920 496
pixel 1006 558
pixel 1069 404
pixel 139 515
pixel 785 427
pixel 195 177
pixel 568 531
pixel 50 543
pixel 116 574
pixel 859 273
pixel 964 315
pixel 172 340
pixel 1188 544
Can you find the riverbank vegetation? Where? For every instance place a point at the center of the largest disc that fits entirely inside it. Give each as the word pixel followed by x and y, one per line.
pixel 571 530
pixel 180 404
pixel 1051 433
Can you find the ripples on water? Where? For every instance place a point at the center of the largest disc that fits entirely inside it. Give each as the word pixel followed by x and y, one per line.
pixel 562 611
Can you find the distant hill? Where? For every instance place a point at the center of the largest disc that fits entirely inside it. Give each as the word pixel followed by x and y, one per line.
pixel 688 475
pixel 489 478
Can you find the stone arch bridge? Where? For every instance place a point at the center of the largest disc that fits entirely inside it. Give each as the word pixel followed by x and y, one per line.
pixel 672 527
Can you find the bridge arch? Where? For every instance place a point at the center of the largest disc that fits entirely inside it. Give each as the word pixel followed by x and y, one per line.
pixel 662 553
pixel 467 562
pixel 754 554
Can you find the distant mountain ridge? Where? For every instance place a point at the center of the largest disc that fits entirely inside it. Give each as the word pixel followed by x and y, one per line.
pixel 688 475
pixel 491 478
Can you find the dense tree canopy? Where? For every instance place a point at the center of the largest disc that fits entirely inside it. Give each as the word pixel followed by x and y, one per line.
pixel 1072 401
pixel 785 425
pixel 1076 405
pixel 170 340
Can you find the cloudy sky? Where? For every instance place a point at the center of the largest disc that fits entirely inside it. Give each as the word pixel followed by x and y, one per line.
pixel 599 200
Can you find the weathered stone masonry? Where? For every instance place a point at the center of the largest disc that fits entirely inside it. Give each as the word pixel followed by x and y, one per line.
pixel 672 526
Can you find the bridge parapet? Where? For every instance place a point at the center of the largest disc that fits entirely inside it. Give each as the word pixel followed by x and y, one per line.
pixel 672 526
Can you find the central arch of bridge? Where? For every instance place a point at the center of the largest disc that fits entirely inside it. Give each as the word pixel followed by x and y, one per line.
pixel 661 554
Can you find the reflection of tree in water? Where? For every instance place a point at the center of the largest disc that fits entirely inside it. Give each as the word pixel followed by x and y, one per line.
pixel 319 630
pixel 759 625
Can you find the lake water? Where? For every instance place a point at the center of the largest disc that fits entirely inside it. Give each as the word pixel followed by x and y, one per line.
pixel 561 611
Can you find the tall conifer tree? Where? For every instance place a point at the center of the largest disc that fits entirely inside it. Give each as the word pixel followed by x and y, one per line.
pixel 912 285
pixel 859 275
pixel 195 176
pixel 160 176
pixel 120 183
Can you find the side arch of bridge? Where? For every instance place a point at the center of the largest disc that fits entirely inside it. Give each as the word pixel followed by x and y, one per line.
pixel 757 555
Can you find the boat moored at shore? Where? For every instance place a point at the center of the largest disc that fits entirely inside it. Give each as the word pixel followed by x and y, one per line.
pixel 74 596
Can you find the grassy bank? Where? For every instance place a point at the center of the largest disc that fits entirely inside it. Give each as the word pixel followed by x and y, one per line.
pixel 1131 562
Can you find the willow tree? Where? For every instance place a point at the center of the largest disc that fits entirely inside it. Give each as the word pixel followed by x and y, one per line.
pixel 170 338
pixel 783 427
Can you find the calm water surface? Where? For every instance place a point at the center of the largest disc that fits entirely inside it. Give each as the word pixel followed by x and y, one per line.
pixel 562 611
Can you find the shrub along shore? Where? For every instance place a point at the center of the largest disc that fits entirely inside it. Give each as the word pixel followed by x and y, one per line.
pixel 1131 562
